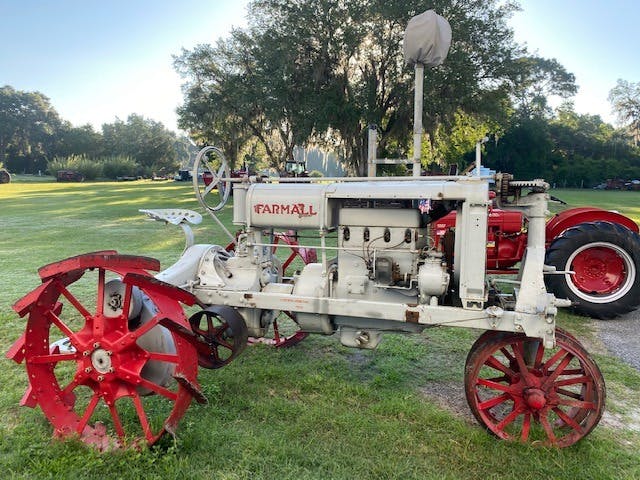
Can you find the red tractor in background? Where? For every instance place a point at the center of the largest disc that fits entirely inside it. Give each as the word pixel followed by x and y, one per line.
pixel 596 254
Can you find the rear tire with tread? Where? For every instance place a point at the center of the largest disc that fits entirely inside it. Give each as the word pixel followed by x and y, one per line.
pixel 605 257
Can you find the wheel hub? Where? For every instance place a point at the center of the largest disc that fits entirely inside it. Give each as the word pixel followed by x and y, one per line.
pixel 101 360
pixel 535 398
pixel 599 270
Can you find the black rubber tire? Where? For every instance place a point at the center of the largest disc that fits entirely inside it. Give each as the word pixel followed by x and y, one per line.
pixel 4 176
pixel 596 234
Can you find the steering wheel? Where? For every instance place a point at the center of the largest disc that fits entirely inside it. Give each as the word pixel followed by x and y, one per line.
pixel 211 172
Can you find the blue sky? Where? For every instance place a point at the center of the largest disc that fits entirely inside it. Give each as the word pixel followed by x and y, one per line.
pixel 98 60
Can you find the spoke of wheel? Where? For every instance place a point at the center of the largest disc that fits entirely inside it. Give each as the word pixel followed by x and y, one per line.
pixel 54 358
pixel 507 354
pixel 116 420
pixel 573 371
pixel 142 416
pixel 208 188
pixel 553 375
pixel 276 332
pixel 519 354
pixel 88 412
pixel 573 381
pixel 146 327
pixel 569 393
pixel 100 300
pixel 493 385
pixel 508 419
pixel 547 428
pixel 213 352
pixel 77 379
pixel 526 427
pixel 553 360
pixel 577 403
pixel 165 392
pixel 223 343
pixel 497 365
pixel 74 301
pixel 163 357
pixel 126 305
pixel 492 402
pixel 62 326
pixel 539 355
pixel 568 420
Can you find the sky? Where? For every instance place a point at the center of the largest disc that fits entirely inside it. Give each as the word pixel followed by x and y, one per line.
pixel 98 60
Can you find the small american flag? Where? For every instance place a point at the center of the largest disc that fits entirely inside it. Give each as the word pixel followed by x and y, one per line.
pixel 425 205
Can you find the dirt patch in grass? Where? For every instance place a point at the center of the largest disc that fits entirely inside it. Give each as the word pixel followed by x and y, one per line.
pixel 450 397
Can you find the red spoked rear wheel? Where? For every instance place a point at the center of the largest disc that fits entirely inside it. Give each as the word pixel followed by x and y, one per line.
pixel 100 366
pixel 518 390
pixel 285 330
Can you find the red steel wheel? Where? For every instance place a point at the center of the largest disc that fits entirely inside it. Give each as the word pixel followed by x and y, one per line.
pixel 95 353
pixel 518 390
pixel 289 239
pixel 285 330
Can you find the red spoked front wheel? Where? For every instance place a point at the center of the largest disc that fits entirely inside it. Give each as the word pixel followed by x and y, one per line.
pixel 100 365
pixel 521 391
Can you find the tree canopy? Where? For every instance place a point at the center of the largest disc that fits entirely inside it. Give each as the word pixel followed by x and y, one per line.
pixel 307 72
pixel 625 99
pixel 28 123
pixel 32 136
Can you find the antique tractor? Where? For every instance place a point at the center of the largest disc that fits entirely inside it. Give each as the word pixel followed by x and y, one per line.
pixel 380 270
pixel 112 351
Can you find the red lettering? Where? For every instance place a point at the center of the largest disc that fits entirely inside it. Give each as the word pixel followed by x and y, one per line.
pixel 299 209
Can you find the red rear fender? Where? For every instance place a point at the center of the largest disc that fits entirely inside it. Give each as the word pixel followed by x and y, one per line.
pixel 574 216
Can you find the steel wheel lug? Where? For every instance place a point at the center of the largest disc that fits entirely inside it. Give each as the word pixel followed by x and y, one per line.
pixel 88 370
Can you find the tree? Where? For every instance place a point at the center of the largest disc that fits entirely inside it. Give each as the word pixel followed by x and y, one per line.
pixel 321 71
pixel 146 141
pixel 28 124
pixel 625 99
pixel 83 140
pixel 536 80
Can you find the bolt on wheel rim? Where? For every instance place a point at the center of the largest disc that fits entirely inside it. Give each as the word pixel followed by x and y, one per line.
pixel 604 272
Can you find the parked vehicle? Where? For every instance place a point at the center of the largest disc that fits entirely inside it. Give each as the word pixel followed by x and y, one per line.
pixel 69 176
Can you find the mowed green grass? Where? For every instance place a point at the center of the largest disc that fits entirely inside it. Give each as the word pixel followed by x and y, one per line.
pixel 316 411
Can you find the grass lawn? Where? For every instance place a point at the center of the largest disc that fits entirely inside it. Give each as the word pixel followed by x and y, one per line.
pixel 317 410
